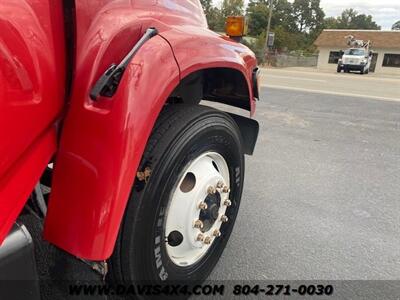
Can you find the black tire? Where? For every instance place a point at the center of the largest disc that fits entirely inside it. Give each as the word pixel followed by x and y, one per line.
pixel 338 69
pixel 181 134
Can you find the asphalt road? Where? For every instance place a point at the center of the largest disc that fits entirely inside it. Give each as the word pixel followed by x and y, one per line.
pixel 321 197
pixel 311 80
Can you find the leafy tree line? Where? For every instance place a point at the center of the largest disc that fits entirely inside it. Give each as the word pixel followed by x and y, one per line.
pixel 296 24
pixel 216 15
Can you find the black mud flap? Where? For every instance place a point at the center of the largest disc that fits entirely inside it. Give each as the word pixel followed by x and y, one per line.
pixel 249 129
pixel 18 276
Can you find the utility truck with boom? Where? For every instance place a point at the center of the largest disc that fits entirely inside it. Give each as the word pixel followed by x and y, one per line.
pixel 356 58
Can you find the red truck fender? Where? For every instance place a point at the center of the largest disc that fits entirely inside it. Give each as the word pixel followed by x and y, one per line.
pixel 227 65
pixel 102 142
pixel 101 147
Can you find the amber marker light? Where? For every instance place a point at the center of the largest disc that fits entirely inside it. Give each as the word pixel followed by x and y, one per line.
pixel 236 26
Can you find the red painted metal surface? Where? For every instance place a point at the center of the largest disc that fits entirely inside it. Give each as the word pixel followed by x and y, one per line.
pixel 196 49
pixel 31 97
pixel 21 178
pixel 101 147
pixel 102 142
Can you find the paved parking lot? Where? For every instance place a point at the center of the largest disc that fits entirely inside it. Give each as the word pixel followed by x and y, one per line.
pixel 322 194
pixel 310 80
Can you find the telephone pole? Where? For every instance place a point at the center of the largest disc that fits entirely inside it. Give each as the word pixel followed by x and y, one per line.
pixel 269 19
pixel 266 47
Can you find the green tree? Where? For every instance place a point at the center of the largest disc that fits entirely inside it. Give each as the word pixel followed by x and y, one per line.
pixel 257 13
pixel 232 8
pixel 283 15
pixel 346 19
pixel 286 40
pixel 207 5
pixel 351 19
pixel 214 17
pixel 365 22
pixel 295 25
pixel 308 14
pixel 331 23
pixel 396 26
pixel 257 44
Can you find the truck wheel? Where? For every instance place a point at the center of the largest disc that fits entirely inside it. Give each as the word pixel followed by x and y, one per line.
pixel 338 69
pixel 179 218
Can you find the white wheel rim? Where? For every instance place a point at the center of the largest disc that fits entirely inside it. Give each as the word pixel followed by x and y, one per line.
pixel 183 209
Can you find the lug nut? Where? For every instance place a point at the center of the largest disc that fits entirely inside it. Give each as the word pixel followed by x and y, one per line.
pixel 211 190
pixel 227 202
pixel 198 224
pixel 225 189
pixel 224 219
pixel 207 240
pixel 203 206
pixel 200 237
pixel 220 184
pixel 217 233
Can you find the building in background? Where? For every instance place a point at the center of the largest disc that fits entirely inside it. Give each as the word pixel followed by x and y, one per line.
pixel 385 47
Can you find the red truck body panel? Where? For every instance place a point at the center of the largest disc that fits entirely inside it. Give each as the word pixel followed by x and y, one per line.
pixel 197 48
pixel 102 142
pixel 95 170
pixel 32 80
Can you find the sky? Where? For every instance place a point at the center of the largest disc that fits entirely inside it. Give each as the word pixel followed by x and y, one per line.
pixel 384 12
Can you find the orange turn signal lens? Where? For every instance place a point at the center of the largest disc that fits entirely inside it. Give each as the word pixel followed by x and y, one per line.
pixel 236 26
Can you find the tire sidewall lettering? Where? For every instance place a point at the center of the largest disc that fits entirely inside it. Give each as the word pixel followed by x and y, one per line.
pixel 162 273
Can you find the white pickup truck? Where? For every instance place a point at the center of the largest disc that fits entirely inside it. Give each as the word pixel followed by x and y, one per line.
pixel 355 59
